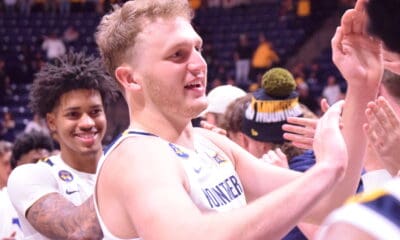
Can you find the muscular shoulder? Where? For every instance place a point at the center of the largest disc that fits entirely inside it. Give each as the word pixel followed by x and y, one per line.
pixel 29 182
pixel 220 141
pixel 137 153
pixel 29 173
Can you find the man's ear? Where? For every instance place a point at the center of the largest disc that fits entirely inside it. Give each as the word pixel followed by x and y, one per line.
pixel 126 77
pixel 244 140
pixel 50 119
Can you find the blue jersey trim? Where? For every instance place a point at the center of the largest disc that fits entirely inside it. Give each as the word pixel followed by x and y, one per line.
pixel 387 206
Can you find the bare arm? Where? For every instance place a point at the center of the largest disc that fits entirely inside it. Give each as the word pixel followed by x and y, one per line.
pixel 57 218
pixel 359 59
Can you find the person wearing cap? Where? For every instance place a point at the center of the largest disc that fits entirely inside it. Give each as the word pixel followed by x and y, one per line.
pixel 252 122
pixel 218 100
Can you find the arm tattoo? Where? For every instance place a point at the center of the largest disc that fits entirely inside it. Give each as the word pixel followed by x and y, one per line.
pixel 57 218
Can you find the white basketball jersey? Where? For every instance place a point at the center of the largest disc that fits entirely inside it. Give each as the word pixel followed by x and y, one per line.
pixel 214 184
pixel 29 182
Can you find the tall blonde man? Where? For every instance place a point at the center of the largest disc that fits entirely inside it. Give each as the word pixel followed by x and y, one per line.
pixel 163 179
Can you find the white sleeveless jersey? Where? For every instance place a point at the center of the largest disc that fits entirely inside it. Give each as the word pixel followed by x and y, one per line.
pixel 214 183
pixel 29 182
pixel 376 212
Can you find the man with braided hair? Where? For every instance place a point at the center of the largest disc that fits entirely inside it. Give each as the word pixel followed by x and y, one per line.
pixel 53 197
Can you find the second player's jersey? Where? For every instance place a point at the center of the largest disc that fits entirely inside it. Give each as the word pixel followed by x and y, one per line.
pixel 29 182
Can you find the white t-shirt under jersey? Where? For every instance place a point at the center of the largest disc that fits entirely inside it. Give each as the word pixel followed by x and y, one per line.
pixel 29 182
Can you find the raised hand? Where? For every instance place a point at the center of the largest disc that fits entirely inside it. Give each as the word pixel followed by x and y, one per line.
pixel 276 157
pixel 357 55
pixel 300 131
pixel 391 61
pixel 11 237
pixel 329 144
pixel 383 132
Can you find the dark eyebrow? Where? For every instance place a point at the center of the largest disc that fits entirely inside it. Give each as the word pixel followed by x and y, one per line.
pixel 77 108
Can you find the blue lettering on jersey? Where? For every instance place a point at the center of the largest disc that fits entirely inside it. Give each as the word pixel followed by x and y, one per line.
pixel 16 222
pixel 224 192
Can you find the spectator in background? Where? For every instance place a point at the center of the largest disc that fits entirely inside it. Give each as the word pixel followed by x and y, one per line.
pixel 37 124
pixel 332 91
pixel 70 35
pixel 255 123
pixel 65 7
pixel 213 3
pixel 218 100
pixel 91 5
pixel 242 56
pixel 31 147
pixel 51 6
pixel 37 62
pixel 54 46
pixel 195 4
pixel 303 8
pixel 285 8
pixel 5 81
pixel 307 99
pixel 10 6
pixel 7 127
pixel 25 7
pixel 5 162
pixel 264 57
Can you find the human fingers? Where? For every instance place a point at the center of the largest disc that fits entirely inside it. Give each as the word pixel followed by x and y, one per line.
pixel 332 116
pixel 391 61
pixel 274 158
pixel 388 113
pixel 374 120
pixel 300 130
pixel 392 66
pixel 306 122
pixel 391 117
pixel 299 141
pixel 360 5
pixel 359 21
pixel 337 47
pixel 11 237
pixel 373 139
pixel 347 21
pixel 282 157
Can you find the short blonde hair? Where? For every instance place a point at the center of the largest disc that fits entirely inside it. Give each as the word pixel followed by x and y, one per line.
pixel 118 30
